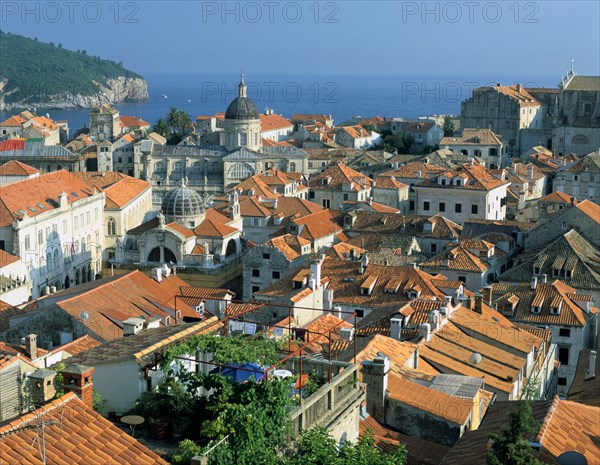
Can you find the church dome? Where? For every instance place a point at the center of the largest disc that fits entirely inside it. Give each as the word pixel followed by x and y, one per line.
pixel 242 107
pixel 182 202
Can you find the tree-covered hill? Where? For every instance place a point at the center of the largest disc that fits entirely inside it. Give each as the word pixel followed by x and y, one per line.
pixel 32 71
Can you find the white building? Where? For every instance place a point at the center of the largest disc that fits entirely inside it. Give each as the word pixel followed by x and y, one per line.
pixel 481 143
pixel 469 191
pixel 53 222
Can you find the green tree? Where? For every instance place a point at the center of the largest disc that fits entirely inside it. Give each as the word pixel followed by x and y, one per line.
pixel 370 127
pixel 162 127
pixel 448 126
pixel 179 121
pixel 317 447
pixel 511 446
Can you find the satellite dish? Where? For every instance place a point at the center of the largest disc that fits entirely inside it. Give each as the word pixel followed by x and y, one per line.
pixel 84 316
pixel 475 359
pixel 571 457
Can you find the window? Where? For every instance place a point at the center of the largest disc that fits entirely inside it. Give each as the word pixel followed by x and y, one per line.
pixel 96 213
pixel 434 248
pixel 360 313
pixel 345 196
pixel 255 222
pixel 536 270
pixel 276 274
pixel 411 205
pixel 575 178
pixel 75 222
pixel 266 256
pixel 255 289
pixel 112 227
pixel 311 195
pixel 255 273
pixel 463 279
pixel 2 245
pixel 458 208
pixel 27 242
pixel 564 332
pixel 426 206
pixel 562 381
pixel 87 217
pixel 442 206
pixel 474 209
pixel 563 355
pixel 326 203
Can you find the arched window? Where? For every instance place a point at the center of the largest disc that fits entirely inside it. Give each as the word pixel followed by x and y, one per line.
pixel 580 139
pixel 241 171
pixel 83 249
pixel 112 226
pixel 55 261
pixel 49 260
pixel 587 109
pixel 292 168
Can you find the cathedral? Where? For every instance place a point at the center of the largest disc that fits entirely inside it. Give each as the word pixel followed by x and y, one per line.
pixel 211 169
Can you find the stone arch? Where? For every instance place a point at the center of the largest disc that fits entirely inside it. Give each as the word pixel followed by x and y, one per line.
pixel 166 254
pixel 67 282
pixel 231 249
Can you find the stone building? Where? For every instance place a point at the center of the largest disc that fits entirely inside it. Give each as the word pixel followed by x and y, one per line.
pixel 480 143
pixel 582 179
pixel 105 123
pixel 506 110
pixel 576 123
pixel 210 169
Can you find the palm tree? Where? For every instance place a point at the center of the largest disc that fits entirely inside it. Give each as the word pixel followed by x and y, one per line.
pixel 162 127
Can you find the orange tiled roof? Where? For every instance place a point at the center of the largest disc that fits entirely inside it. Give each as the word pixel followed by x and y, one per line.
pixel 571 426
pixel 516 93
pixel 412 170
pixel 273 121
pixel 557 197
pixel 477 177
pixel 289 245
pixel 318 225
pixel 79 345
pixel 17 198
pixel 17 168
pixel 209 228
pixel 590 209
pixel 119 188
pixel 13 121
pixel 74 435
pixel 46 123
pixel 133 294
pixel 388 182
pixel 338 175
pixel 472 136
pixel 187 233
pixel 452 408
pixel 133 122
pixel 256 186
pixel 458 258
pixel 7 258
pixel 208 293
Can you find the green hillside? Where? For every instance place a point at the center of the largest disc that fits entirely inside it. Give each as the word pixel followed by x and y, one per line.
pixel 38 69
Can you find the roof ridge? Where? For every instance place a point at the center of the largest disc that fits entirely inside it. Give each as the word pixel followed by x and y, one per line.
pixel 101 286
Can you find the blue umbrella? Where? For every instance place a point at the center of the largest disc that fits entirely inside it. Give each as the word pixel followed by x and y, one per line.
pixel 240 372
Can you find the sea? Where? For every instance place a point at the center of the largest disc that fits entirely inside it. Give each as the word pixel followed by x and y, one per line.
pixel 344 97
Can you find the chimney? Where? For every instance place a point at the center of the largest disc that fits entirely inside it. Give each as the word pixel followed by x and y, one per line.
pixel 479 304
pixel 487 295
pixel 132 326
pixel 42 385
pixel 591 371
pixel 396 328
pixel 364 263
pixel 519 88
pixel 315 269
pixel 425 331
pixel 375 376
pixel 533 283
pixel 156 274
pixel 530 172
pixel 31 346
pixel 78 379
pixel 544 278
pixel 62 199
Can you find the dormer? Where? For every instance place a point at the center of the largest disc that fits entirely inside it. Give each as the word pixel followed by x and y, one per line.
pixel 347 186
pixel 536 309
pixel 459 181
pixel 444 181
pixel 366 288
pixel 428 226
pixel 326 181
pixel 555 308
pixel 413 293
pixel 556 272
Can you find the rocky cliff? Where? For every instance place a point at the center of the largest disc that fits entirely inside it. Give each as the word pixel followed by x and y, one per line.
pixel 114 90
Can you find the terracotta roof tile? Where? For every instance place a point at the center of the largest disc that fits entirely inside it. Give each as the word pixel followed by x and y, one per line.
pixel 17 168
pixel 210 228
pixel 45 190
pixel 273 122
pixel 77 436
pixel 133 122
pixel 471 136
pixel 590 209
pixel 339 175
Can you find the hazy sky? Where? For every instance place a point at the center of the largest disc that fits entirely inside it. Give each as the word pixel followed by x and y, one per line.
pixel 308 37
